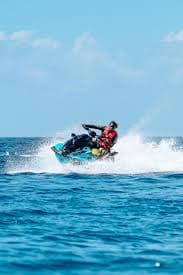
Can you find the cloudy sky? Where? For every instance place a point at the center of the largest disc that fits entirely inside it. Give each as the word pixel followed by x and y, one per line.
pixel 67 62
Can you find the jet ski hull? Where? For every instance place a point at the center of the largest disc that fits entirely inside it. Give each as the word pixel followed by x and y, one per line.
pixel 77 157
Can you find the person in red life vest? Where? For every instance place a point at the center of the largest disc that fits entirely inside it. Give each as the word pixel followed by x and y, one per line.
pixel 108 136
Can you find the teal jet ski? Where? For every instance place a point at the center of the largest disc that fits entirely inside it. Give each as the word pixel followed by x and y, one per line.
pixel 80 149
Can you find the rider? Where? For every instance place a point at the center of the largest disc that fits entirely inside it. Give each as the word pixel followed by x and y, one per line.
pixel 108 136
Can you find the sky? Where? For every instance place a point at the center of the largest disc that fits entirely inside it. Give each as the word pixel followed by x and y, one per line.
pixel 63 63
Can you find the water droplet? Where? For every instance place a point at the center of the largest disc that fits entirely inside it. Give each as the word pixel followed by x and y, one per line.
pixel 157 264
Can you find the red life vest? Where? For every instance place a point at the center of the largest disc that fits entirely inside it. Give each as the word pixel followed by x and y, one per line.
pixel 106 138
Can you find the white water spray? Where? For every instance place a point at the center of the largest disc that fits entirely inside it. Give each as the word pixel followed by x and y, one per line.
pixel 136 155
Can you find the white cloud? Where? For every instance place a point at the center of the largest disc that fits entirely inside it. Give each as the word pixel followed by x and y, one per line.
pixel 20 36
pixel 85 57
pixel 46 42
pixel 27 38
pixel 86 50
pixel 3 36
pixel 173 37
pixel 84 42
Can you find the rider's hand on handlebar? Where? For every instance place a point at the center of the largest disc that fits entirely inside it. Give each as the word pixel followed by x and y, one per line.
pixel 84 126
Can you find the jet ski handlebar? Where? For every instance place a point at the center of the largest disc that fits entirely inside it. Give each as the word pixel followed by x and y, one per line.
pixel 91 133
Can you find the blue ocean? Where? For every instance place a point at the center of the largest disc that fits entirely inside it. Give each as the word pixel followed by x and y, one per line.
pixel 121 217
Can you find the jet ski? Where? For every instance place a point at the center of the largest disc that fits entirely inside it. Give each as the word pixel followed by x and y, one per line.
pixel 80 149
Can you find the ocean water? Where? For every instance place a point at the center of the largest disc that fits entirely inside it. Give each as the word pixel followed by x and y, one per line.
pixel 122 217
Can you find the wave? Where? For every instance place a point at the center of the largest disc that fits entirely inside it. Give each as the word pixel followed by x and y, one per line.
pixel 136 155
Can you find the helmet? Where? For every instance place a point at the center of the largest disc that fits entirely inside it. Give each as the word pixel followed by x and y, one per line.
pixel 113 124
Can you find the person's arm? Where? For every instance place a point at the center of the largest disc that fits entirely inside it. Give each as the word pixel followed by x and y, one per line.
pixel 101 128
